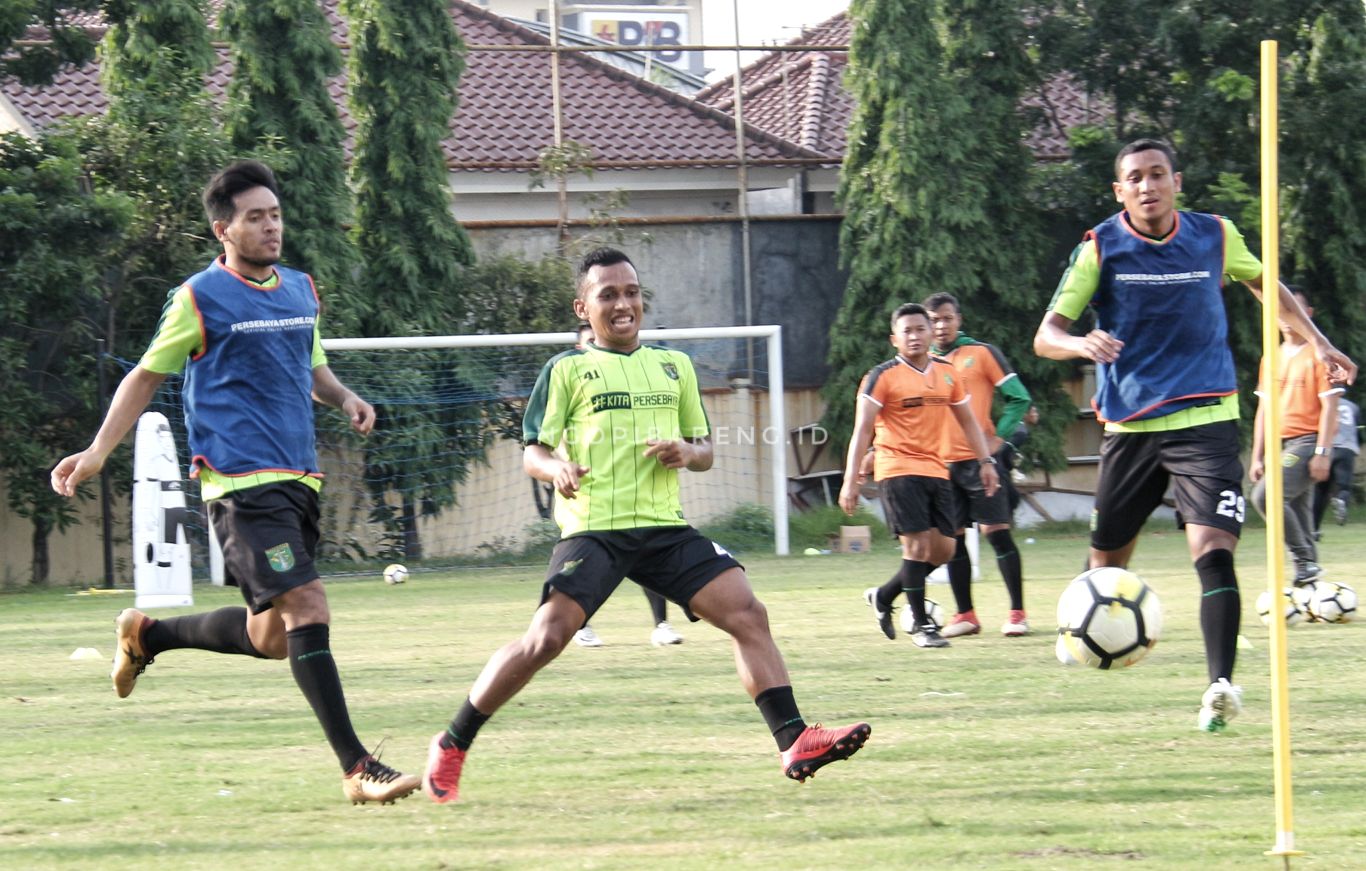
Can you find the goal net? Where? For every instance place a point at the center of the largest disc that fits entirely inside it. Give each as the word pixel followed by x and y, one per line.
pixel 440 479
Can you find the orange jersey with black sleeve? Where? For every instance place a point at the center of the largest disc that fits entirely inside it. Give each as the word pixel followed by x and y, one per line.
pixel 981 368
pixel 913 412
pixel 1304 383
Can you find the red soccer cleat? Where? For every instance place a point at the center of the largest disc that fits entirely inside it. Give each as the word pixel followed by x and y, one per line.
pixel 816 747
pixel 441 780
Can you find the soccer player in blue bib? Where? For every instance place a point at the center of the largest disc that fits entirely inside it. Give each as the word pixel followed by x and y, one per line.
pixel 1165 384
pixel 629 417
pixel 245 332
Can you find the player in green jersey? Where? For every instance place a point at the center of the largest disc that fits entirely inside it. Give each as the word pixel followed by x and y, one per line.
pixel 662 634
pixel 629 417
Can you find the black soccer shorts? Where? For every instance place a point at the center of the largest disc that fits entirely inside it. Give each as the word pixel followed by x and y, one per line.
pixel 269 536
pixel 971 499
pixel 915 503
pixel 1200 462
pixel 674 561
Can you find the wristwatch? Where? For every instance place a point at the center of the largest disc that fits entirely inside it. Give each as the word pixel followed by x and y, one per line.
pixel 1321 451
pixel 990 461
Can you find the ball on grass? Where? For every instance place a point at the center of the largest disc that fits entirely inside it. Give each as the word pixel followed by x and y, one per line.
pixel 394 573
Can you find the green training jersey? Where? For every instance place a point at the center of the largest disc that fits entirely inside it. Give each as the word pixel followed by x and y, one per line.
pixel 600 407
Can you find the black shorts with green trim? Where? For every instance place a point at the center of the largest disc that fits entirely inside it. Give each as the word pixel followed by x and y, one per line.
pixel 1200 463
pixel 674 561
pixel 269 535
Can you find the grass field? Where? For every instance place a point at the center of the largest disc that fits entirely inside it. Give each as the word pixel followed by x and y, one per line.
pixel 988 755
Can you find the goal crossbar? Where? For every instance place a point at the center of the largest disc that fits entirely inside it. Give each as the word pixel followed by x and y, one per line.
pixel 773 333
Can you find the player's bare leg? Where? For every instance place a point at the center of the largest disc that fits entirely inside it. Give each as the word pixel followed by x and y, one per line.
pixel 728 603
pixel 516 663
pixel 1118 557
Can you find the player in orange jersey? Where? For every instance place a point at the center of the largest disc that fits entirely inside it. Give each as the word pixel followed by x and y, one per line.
pixel 1309 420
pixel 904 406
pixel 984 371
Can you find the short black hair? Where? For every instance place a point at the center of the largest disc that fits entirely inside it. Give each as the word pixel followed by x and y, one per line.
pixel 1145 145
pixel 908 308
pixel 943 297
pixel 227 183
pixel 598 257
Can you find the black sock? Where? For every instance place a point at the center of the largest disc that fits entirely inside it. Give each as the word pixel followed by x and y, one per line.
pixel 887 593
pixel 1220 610
pixel 1008 561
pixel 780 713
pixel 658 607
pixel 464 726
pixel 221 631
pixel 960 575
pixel 916 572
pixel 310 658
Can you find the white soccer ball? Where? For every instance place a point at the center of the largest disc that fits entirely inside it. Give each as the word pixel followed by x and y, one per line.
pixel 1295 600
pixel 934 612
pixel 394 573
pixel 1332 602
pixel 1107 617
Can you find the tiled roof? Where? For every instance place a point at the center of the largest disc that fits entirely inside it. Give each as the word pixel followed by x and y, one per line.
pixel 1064 104
pixel 504 115
pixel 801 97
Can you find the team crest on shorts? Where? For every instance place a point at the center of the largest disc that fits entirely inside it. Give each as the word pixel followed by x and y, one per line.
pixel 281 557
pixel 671 370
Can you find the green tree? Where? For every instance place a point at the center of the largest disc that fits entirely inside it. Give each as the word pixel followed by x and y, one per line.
pixel 158 144
pixel 405 62
pixel 1195 82
pixel 933 186
pixel 283 58
pixel 66 44
pixel 1325 136
pixel 997 237
pixel 56 235
pixel 896 76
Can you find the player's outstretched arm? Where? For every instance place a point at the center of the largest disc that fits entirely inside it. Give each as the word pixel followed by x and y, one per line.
pixel 1341 369
pixel 1053 341
pixel 135 391
pixel 329 390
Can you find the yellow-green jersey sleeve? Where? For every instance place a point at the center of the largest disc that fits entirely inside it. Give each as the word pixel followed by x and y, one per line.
pixel 1239 263
pixel 1079 282
pixel 179 335
pixel 319 355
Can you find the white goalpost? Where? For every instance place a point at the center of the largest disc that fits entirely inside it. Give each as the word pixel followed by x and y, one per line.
pixel 443 394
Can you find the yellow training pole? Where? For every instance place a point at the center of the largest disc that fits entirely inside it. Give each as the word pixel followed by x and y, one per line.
pixel 1271 419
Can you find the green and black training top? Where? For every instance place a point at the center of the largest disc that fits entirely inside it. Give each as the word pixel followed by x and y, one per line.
pixel 600 407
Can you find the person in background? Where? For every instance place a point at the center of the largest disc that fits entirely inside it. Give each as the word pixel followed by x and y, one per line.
pixel 1336 491
pixel 1309 419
